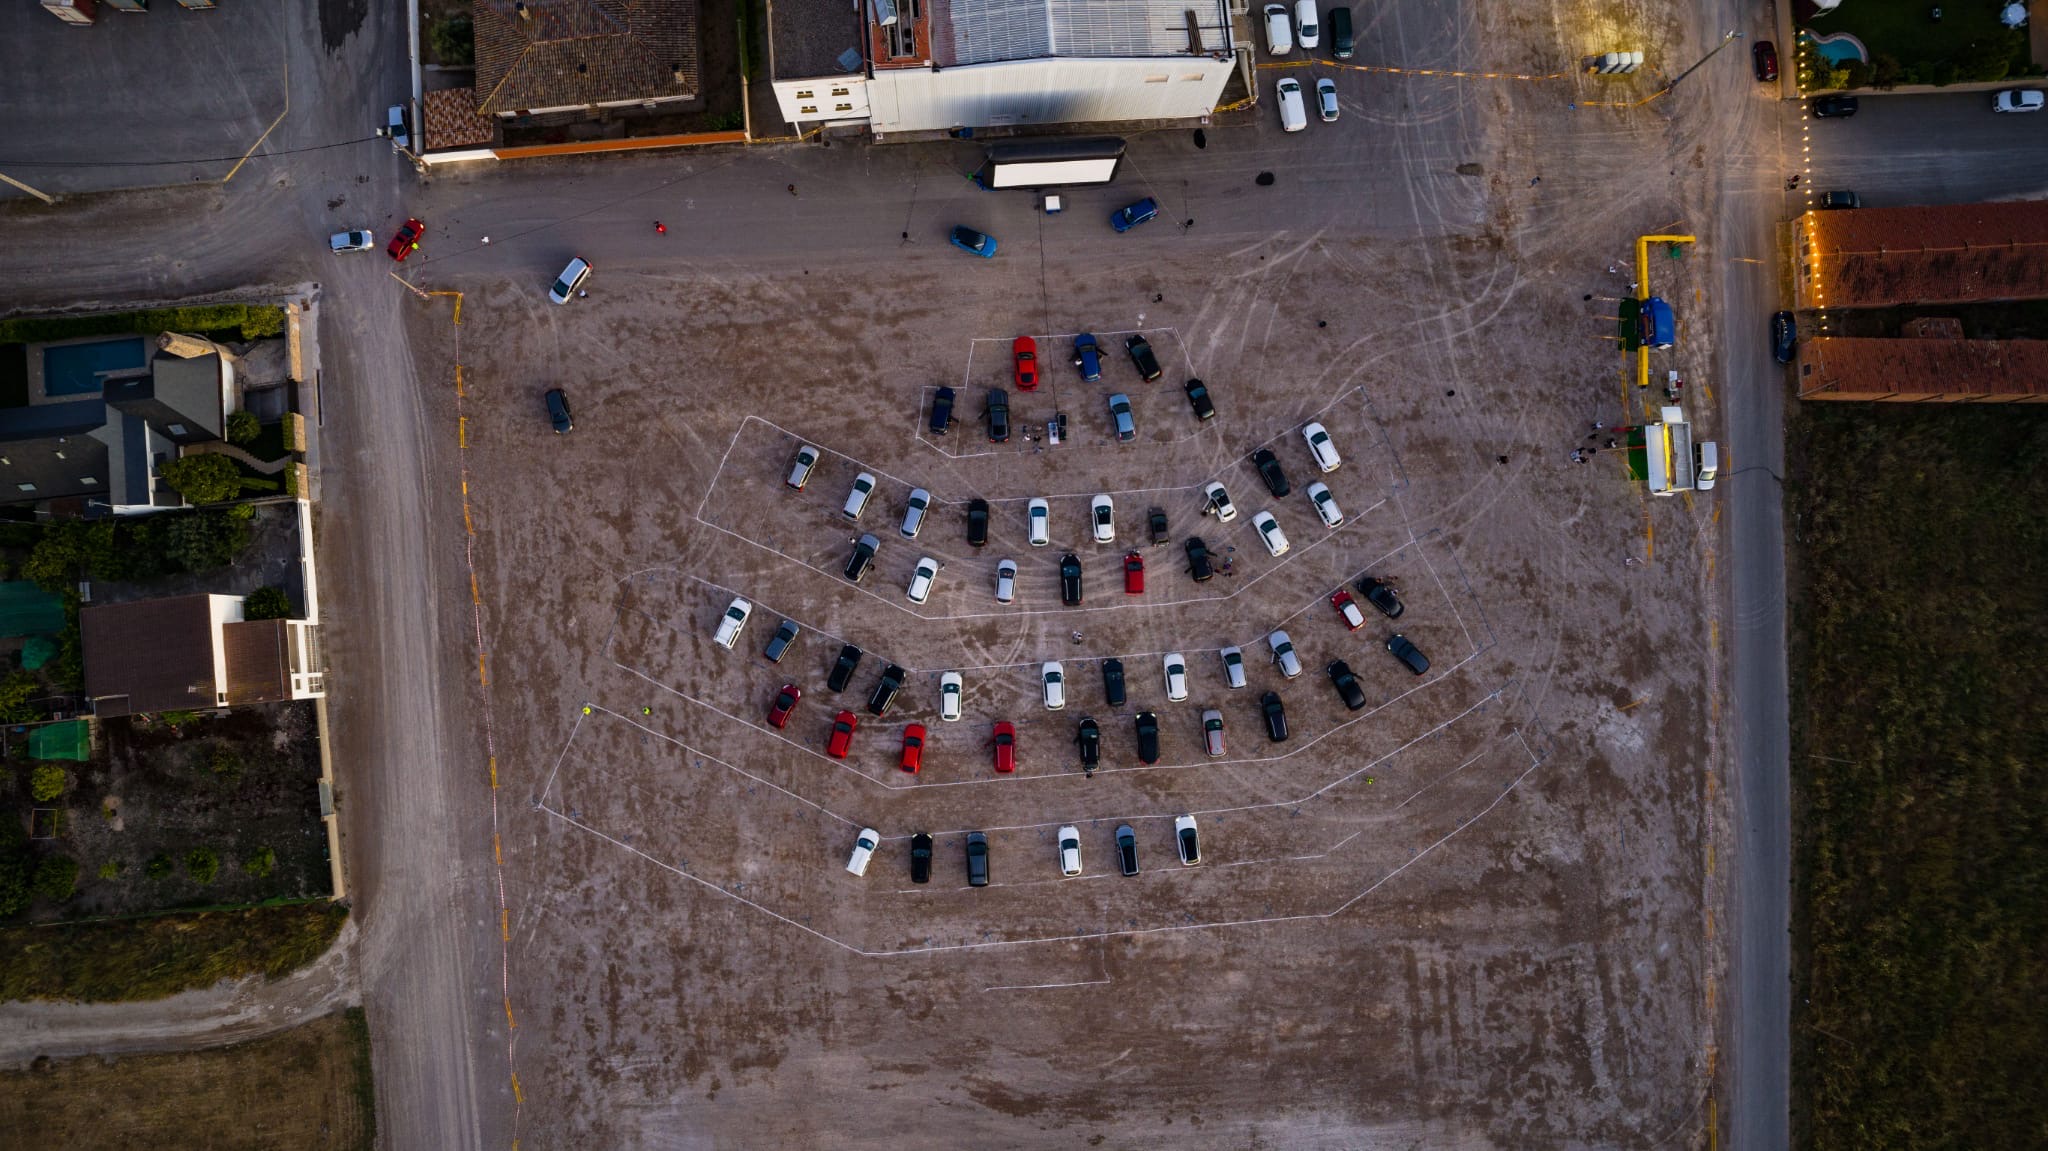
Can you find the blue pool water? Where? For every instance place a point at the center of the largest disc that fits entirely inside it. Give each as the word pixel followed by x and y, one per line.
pixel 1836 50
pixel 77 369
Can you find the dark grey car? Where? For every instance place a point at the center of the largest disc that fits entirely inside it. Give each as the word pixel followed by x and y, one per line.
pixel 886 689
pixel 977 859
pixel 778 644
pixel 1126 849
pixel 1408 654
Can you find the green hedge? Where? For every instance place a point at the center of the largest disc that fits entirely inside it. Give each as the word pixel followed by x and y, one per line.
pixel 215 321
pixel 131 959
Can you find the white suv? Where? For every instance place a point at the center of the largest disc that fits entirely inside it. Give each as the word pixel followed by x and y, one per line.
pixel 857 499
pixel 1070 850
pixel 1054 680
pixel 1279 33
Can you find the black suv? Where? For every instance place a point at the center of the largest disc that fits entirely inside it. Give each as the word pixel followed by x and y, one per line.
pixel 942 411
pixel 1406 652
pixel 1346 682
pixel 1381 596
pixel 1269 471
pixel 1070 580
pixel 1141 356
pixel 1199 565
pixel 998 416
pixel 920 858
pixel 885 690
pixel 977 859
pixel 1126 849
pixel 1198 399
pixel 863 558
pixel 1276 717
pixel 1148 737
pixel 558 412
pixel 1837 106
pixel 977 522
pixel 1089 740
pixel 1113 682
pixel 842 671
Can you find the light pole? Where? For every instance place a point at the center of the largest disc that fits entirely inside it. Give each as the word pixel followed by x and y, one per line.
pixel 1725 41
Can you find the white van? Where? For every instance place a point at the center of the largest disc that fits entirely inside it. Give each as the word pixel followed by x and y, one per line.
pixel 1293 114
pixel 1279 32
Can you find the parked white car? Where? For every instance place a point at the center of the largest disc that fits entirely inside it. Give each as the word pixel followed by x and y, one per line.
pixel 1320 447
pixel 857 499
pixel 1307 34
pixel 1283 654
pixel 732 623
pixel 1279 33
pixel 921 580
pixel 800 471
pixel 1326 99
pixel 1070 850
pixel 1326 504
pixel 1212 732
pixel 570 281
pixel 1054 681
pixel 1102 511
pixel 914 512
pixel 1040 517
pixel 1270 533
pixel 1187 841
pixel 2018 100
pixel 1293 115
pixel 1233 666
pixel 951 688
pixel 863 850
pixel 1006 581
pixel 1219 502
pixel 357 241
pixel 1176 667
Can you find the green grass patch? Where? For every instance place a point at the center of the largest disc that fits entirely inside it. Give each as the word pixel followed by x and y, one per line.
pixel 1920 644
pixel 161 955
pixel 1907 47
pixel 214 321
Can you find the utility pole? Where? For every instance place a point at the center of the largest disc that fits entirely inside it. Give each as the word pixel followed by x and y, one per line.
pixel 1725 41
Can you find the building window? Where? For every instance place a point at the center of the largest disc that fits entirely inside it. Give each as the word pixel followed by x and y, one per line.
pixel 176 429
pixel 89 481
pixel 1156 79
pixel 808 110
pixel 806 94
pixel 26 487
pixel 839 92
pixel 842 107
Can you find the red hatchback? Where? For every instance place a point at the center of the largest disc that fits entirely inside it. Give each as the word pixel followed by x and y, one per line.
pixel 842 734
pixel 1006 746
pixel 1348 609
pixel 407 239
pixel 1026 350
pixel 913 748
pixel 1134 574
pixel 785 702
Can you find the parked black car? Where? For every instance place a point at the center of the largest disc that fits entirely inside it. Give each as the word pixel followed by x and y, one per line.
pixel 1126 849
pixel 1832 201
pixel 1784 337
pixel 1198 399
pixel 1089 739
pixel 1070 580
pixel 1381 596
pixel 977 859
pixel 842 670
pixel 1275 714
pixel 1406 652
pixel 1156 520
pixel 942 411
pixel 977 522
pixel 1113 682
pixel 1835 106
pixel 558 412
pixel 863 558
pixel 1200 564
pixel 778 644
pixel 1269 471
pixel 920 858
pixel 1148 737
pixel 998 416
pixel 1141 356
pixel 1346 683
pixel 886 689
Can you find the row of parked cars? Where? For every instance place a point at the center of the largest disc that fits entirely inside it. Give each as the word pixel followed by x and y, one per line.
pixel 1088 359
pixel 1187 844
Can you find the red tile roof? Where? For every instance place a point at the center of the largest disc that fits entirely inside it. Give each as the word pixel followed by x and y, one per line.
pixel 1951 371
pixel 1880 257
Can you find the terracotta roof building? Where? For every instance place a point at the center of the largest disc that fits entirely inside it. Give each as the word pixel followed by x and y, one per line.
pixel 1885 257
pixel 537 56
pixel 1924 370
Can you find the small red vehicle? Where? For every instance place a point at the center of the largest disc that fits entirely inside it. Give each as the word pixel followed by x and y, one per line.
pixel 1025 349
pixel 785 702
pixel 406 241
pixel 842 734
pixel 913 748
pixel 1134 574
pixel 1006 746
pixel 1348 609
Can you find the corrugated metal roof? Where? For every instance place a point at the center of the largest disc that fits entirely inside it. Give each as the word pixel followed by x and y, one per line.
pixel 983 31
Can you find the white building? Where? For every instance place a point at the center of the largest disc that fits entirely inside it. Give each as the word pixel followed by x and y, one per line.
pixel 934 65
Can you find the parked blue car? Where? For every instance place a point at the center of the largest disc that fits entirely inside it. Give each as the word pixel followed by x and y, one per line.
pixel 1131 215
pixel 973 242
pixel 1088 357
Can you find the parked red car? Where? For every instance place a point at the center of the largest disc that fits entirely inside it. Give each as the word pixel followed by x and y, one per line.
pixel 913 748
pixel 1347 609
pixel 1765 59
pixel 842 734
pixel 407 239
pixel 1134 574
pixel 1025 349
pixel 1006 746
pixel 785 702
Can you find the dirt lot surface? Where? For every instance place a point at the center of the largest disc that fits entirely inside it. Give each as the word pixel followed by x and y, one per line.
pixel 1467 915
pixel 306 1087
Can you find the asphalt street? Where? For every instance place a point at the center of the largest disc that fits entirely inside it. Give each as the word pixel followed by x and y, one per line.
pixel 1947 148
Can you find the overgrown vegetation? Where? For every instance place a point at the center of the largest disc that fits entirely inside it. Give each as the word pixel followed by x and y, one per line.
pixel 214 321
pixel 266 603
pixel 453 41
pixel 203 477
pixel 162 955
pixel 243 427
pixel 1920 648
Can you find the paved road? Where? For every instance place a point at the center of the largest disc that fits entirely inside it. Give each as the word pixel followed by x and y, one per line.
pixel 1940 149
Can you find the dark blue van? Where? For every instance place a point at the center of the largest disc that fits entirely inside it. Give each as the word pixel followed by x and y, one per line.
pixel 1659 329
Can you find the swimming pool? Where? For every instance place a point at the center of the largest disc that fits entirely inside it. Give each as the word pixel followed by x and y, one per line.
pixel 78 369
pixel 1837 48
